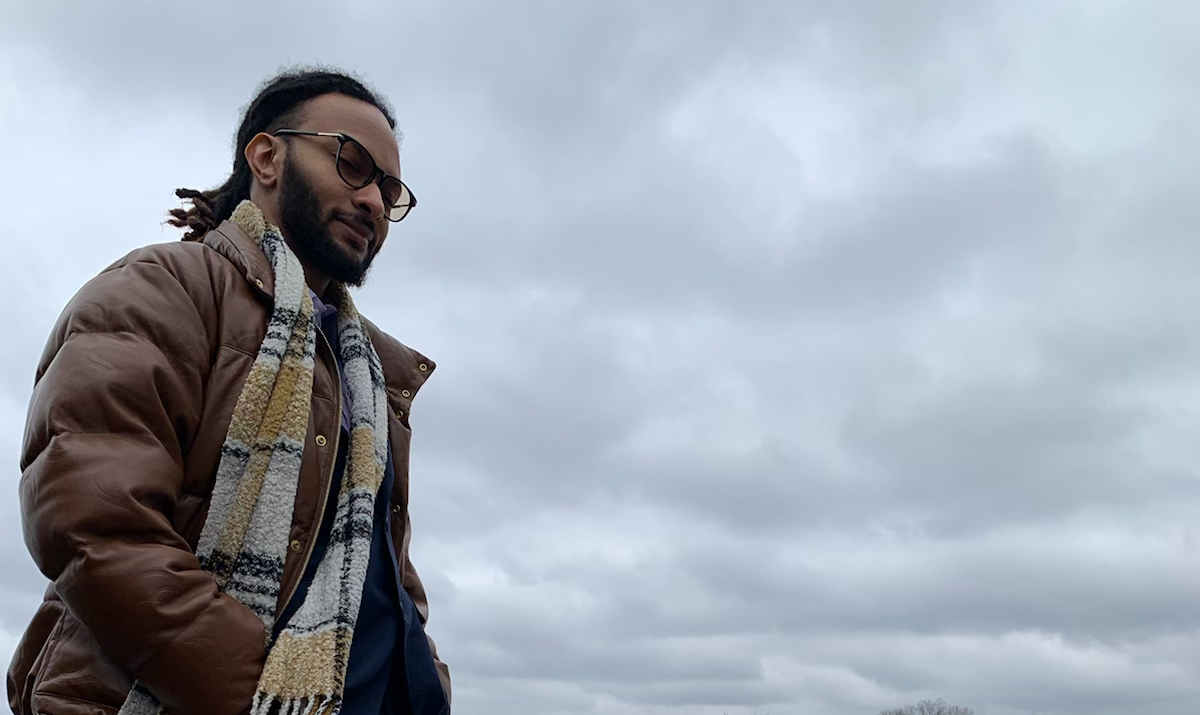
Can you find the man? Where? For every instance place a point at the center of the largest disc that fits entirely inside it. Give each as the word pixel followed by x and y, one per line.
pixel 215 464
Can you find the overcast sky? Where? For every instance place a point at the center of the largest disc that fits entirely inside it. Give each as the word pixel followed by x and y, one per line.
pixel 801 357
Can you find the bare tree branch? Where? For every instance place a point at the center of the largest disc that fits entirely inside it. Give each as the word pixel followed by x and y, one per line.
pixel 929 707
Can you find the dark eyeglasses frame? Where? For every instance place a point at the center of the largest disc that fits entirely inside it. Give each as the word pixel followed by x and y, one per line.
pixel 377 176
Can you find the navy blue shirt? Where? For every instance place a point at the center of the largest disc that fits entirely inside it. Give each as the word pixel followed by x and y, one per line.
pixel 391 669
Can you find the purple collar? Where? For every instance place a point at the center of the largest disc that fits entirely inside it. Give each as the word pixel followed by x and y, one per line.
pixel 321 310
pixel 325 318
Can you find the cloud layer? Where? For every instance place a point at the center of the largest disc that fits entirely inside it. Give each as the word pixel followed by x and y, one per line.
pixel 794 357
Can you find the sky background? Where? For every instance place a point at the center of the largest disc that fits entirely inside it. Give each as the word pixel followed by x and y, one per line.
pixel 794 356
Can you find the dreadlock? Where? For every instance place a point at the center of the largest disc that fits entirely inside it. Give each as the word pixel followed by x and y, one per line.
pixel 280 101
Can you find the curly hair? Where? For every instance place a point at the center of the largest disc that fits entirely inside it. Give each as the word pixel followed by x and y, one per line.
pixel 280 101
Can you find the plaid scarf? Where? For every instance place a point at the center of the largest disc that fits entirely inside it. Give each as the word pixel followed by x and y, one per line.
pixel 245 538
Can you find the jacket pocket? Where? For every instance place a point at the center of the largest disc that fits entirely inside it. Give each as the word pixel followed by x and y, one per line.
pixel 61 705
pixel 76 677
pixel 36 669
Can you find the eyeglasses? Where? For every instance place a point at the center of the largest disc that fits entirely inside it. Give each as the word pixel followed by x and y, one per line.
pixel 357 168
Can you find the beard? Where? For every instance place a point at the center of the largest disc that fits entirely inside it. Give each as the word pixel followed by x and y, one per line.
pixel 309 235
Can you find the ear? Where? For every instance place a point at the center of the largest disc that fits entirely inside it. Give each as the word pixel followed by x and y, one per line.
pixel 265 156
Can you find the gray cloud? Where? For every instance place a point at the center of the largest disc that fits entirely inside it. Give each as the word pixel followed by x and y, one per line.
pixel 796 357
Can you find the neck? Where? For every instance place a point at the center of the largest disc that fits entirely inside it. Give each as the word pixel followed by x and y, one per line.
pixel 317 281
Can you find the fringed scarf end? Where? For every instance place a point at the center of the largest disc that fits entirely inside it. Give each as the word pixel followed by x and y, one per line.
pixel 323 704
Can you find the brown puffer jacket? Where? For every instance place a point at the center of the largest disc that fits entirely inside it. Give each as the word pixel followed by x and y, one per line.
pixel 133 397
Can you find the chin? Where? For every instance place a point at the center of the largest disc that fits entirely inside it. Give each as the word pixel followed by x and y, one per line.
pixel 350 271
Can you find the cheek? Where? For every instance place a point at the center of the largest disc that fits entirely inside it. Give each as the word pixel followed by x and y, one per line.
pixel 330 194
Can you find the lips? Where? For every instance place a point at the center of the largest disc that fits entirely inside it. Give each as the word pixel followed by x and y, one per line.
pixel 362 234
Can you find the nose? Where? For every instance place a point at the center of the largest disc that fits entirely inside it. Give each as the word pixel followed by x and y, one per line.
pixel 369 200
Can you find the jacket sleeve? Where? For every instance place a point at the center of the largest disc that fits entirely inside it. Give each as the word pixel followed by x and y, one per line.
pixel 118 395
pixel 416 590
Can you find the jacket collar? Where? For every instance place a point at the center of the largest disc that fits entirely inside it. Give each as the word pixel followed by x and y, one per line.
pixel 406 369
pixel 231 241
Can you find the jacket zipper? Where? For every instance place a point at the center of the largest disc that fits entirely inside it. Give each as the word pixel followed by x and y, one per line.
pixel 312 542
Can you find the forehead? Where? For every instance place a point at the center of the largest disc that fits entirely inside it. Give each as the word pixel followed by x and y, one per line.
pixel 359 119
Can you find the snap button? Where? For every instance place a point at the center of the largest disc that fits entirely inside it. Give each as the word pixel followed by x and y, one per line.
pixel 395 508
pixel 321 441
pixel 399 414
pixel 295 545
pixel 406 393
pixel 423 367
pixel 258 282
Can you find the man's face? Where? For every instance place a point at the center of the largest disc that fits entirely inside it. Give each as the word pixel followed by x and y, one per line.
pixel 335 229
